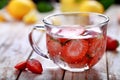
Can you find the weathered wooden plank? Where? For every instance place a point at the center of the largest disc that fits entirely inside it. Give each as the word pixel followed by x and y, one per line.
pixel 114 65
pixel 114 31
pixel 14 49
pixel 50 71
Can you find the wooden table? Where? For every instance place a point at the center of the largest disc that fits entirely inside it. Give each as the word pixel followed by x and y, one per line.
pixel 15 47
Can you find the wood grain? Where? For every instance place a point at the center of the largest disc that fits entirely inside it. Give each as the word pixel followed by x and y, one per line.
pixel 113 57
pixel 15 47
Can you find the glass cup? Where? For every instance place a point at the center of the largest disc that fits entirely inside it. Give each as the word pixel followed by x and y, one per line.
pixel 75 41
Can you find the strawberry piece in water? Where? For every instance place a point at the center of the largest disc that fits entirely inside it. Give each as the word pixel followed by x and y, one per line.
pixel 80 64
pixel 21 65
pixel 54 47
pixel 96 58
pixel 74 51
pixel 95 45
pixel 112 44
pixel 96 50
pixel 34 66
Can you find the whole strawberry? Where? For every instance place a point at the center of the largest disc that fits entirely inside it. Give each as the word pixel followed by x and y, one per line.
pixel 34 66
pixel 112 44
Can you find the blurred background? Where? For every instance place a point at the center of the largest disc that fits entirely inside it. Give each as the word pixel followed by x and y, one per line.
pixel 28 10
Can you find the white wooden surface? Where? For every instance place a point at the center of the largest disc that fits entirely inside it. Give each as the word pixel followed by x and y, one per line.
pixel 15 47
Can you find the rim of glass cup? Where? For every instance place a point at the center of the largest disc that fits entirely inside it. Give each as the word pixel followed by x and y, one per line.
pixel 65 13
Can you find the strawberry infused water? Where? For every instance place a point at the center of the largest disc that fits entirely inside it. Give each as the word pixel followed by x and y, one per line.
pixel 76 48
pixel 74 41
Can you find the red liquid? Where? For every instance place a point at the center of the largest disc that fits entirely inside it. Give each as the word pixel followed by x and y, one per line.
pixel 76 52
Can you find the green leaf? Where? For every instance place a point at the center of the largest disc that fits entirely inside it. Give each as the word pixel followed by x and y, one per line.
pixel 3 3
pixel 44 6
pixel 106 3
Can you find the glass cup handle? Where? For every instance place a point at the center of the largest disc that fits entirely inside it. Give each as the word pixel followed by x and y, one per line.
pixel 34 45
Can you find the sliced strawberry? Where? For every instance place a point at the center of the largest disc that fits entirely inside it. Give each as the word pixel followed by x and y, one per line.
pixel 96 50
pixel 96 58
pixel 74 51
pixel 34 66
pixel 21 65
pixel 54 47
pixel 112 44
pixel 80 64
pixel 95 45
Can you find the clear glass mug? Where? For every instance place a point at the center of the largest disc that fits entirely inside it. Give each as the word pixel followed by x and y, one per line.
pixel 75 41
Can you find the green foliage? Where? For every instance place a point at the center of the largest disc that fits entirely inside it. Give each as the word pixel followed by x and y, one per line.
pixel 106 3
pixel 44 6
pixel 3 3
